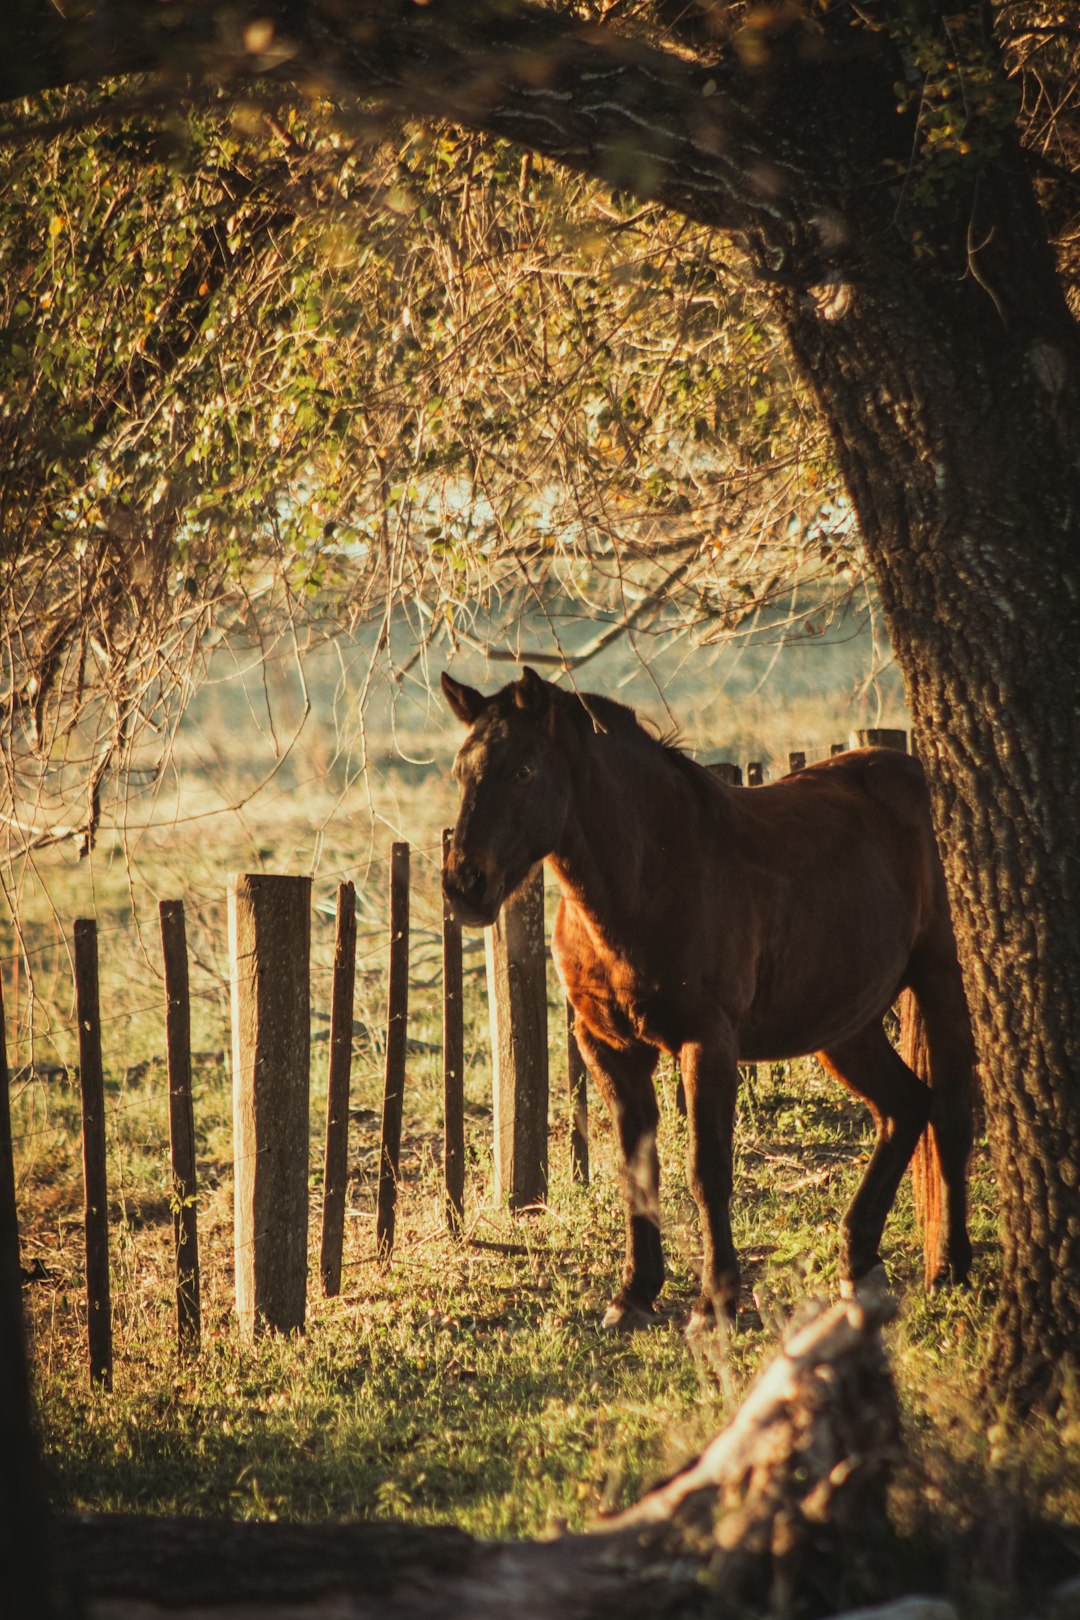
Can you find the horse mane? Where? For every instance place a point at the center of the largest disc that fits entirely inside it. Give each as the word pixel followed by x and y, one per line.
pixel 591 712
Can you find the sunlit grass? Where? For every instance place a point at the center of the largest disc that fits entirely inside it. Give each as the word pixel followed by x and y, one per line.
pixel 467 1381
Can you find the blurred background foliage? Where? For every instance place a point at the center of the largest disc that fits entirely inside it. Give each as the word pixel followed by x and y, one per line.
pixel 260 364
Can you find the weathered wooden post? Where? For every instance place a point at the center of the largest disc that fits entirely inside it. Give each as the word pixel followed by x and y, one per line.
pixel 517 1007
pixel 755 773
pixel 727 772
pixel 577 1086
pixel 269 947
pixel 33 1579
pixel 9 1215
pixel 92 1086
pixel 453 1063
pixel 883 737
pixel 797 760
pixel 397 1029
pixel 181 1122
pixel 336 1161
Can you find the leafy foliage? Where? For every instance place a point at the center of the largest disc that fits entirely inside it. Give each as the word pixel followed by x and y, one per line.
pixel 265 358
pixel 259 361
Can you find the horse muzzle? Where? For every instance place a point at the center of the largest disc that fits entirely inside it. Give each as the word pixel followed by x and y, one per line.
pixel 473 891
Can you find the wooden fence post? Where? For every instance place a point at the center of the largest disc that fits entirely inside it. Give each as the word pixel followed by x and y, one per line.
pixel 397 1029
pixel 883 737
pixel 181 1122
pixel 9 1214
pixel 797 760
pixel 269 947
pixel 453 1063
pixel 837 748
pixel 517 1008
pixel 755 773
pixel 727 772
pixel 33 1579
pixel 92 1086
pixel 577 1086
pixel 336 1161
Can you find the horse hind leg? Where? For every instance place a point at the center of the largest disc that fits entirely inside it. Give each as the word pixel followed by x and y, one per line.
pixel 936 1041
pixel 711 1076
pixel 624 1080
pixel 868 1065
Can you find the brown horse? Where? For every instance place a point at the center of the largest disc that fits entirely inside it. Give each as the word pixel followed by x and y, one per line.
pixel 722 924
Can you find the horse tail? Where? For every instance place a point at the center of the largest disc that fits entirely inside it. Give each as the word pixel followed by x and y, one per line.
pixel 926 1180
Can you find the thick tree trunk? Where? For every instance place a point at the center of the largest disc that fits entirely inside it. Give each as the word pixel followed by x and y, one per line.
pixel 32 1580
pixel 951 384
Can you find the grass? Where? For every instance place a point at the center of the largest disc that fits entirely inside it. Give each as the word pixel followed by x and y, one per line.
pixel 467 1381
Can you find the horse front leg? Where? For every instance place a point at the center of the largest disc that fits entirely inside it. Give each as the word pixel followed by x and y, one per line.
pixel 624 1080
pixel 711 1078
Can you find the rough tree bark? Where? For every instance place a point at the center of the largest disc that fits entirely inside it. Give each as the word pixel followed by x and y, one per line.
pixel 963 461
pixel 923 305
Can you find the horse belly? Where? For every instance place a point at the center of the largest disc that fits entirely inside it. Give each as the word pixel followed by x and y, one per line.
pixel 807 1012
pixel 801 1036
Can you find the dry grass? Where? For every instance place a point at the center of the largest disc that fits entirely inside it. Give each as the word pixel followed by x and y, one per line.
pixel 467 1381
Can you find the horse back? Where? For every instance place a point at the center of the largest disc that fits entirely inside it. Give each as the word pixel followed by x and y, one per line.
pixel 857 827
pixel 890 799
pixel 839 886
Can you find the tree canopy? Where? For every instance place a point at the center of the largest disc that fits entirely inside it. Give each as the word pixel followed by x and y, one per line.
pixel 268 349
pixel 264 360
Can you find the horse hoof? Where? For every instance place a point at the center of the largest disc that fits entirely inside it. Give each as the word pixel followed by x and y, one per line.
pixel 947 1277
pixel 870 1286
pixel 699 1324
pixel 627 1318
pixel 953 1270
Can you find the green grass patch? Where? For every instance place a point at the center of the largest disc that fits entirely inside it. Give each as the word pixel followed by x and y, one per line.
pixel 466 1382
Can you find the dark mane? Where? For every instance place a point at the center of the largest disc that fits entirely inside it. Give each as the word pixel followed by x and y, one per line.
pixel 591 711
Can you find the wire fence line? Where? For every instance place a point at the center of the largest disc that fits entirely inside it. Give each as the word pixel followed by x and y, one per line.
pixel 41 1023
pixel 378 945
pixel 124 1112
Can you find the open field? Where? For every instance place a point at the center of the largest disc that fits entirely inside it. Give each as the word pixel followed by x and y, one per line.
pixel 466 1382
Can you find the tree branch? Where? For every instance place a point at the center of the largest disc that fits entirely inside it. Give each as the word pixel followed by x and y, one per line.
pixel 706 137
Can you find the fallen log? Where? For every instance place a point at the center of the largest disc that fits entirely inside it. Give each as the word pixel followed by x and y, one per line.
pixel 916 1607
pixel 761 1515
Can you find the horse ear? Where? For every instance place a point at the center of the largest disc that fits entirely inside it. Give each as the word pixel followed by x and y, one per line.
pixel 531 692
pixel 465 701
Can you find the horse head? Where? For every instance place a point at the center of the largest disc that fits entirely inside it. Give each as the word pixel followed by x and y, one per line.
pixel 515 784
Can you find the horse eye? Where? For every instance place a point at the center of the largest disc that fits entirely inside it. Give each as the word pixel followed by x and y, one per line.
pixel 522 773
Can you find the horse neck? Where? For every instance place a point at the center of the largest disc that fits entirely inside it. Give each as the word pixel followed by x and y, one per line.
pixel 618 841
